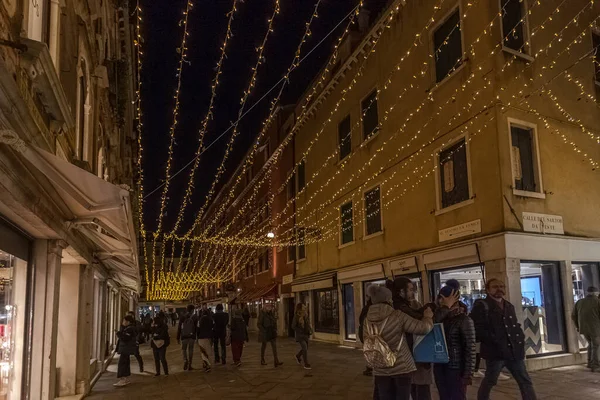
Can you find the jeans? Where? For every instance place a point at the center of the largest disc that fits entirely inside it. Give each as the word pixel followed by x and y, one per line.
pixel 124 366
pixel 396 387
pixel 421 392
pixel 236 350
pixel 273 346
pixel 449 383
pixel 139 359
pixel 303 351
pixel 593 352
pixel 187 348
pixel 160 357
pixel 220 340
pixel 518 371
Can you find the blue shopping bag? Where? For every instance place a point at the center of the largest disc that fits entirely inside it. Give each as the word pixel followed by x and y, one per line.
pixel 431 348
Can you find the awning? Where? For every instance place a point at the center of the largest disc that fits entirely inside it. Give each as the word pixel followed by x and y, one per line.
pixel 321 280
pixel 257 293
pixel 100 210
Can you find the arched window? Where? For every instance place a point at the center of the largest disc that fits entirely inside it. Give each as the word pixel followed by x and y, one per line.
pixel 81 106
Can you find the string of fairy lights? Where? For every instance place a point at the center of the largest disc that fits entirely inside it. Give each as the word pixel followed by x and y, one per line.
pixel 220 254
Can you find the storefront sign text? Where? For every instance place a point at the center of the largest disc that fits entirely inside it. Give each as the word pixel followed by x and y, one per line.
pixel 542 223
pixel 458 231
pixel 287 279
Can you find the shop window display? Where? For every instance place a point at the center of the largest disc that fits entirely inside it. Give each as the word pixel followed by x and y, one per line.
pixel 326 311
pixel 349 317
pixel 13 272
pixel 471 279
pixel 543 317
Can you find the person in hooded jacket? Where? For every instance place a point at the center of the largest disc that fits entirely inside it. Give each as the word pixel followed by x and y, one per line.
pixel 239 335
pixel 127 347
pixel 159 343
pixel 453 378
pixel 394 383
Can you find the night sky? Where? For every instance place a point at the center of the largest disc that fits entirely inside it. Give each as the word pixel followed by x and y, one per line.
pixel 207 24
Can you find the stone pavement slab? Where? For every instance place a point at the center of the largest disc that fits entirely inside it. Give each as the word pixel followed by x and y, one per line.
pixel 336 374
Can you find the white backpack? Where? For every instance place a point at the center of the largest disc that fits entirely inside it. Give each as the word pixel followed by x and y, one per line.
pixel 376 351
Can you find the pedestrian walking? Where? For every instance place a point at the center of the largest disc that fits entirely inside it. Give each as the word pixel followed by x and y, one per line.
pixel 404 299
pixel 221 319
pixel 139 339
pixel 385 349
pixel 586 316
pixel 239 335
pixel 502 341
pixel 174 318
pixel 146 325
pixel 205 336
pixel 453 378
pixel 302 332
pixel 127 347
pixel 246 314
pixel 159 343
pixel 186 336
pixel 267 333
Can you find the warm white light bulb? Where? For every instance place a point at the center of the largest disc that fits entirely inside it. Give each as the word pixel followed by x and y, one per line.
pixel 270 235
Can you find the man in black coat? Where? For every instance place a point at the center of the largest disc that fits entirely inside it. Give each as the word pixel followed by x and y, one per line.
pixel 502 341
pixel 221 321
pixel 139 337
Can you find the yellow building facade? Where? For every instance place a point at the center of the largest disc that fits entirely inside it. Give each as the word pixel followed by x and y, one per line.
pixel 455 141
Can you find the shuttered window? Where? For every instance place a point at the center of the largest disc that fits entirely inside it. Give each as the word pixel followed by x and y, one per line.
pixel 513 29
pixel 523 159
pixel 301 175
pixel 301 245
pixel 370 115
pixel 345 137
pixel 454 175
pixel 447 47
pixel 373 211
pixel 346 223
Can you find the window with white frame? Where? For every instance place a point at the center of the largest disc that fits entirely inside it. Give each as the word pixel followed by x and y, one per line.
pixel 514 26
pixel 524 158
pixel 301 175
pixel 447 46
pixel 346 223
pixel 453 174
pixel 345 137
pixel 370 116
pixel 291 254
pixel 373 211
pixel 301 245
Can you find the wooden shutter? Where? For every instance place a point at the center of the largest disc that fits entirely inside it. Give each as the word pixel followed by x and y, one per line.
pixel 345 137
pixel 512 28
pixel 370 115
pixel 522 140
pixel 447 46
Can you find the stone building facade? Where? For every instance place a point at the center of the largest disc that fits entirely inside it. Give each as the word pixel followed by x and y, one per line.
pixel 68 252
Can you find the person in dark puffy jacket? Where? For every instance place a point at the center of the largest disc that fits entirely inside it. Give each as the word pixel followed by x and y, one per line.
pixel 453 378
pixel 239 335
pixel 267 333
pixel 302 332
pixel 127 347
pixel 159 343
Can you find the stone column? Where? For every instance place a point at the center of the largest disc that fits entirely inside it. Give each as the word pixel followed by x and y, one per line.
pixel 47 258
pixel 84 329
pixel 68 328
pixel 54 39
pixel 572 336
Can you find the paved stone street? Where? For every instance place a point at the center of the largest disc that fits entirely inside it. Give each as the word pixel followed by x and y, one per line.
pixel 336 374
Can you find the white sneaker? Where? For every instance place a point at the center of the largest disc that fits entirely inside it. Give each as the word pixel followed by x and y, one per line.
pixel 503 377
pixel 122 382
pixel 478 374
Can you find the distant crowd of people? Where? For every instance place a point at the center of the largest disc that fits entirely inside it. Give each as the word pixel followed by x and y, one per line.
pixel 392 324
pixel 210 332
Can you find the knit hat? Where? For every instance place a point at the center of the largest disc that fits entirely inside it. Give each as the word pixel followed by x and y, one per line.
pixel 453 283
pixel 379 294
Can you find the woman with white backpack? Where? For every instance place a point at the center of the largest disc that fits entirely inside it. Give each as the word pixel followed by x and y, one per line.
pixel 385 347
